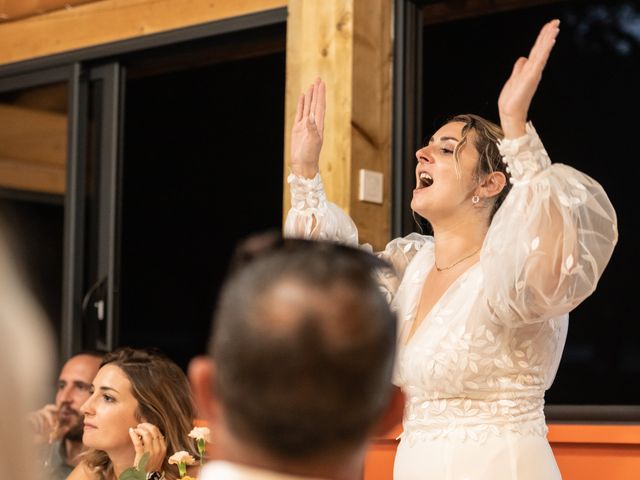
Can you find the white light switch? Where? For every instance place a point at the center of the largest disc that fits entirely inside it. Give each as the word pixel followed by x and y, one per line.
pixel 371 186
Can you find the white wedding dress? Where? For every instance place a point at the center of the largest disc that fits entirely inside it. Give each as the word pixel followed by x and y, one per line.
pixel 476 369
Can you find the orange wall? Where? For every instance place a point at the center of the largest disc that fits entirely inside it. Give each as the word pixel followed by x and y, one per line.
pixel 583 452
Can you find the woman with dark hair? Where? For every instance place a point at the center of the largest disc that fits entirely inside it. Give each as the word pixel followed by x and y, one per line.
pixel 140 403
pixel 483 304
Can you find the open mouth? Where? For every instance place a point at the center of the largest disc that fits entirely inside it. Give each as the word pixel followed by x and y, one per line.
pixel 424 180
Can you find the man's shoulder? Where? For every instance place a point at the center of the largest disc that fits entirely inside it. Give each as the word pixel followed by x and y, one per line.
pixel 55 465
pixel 221 470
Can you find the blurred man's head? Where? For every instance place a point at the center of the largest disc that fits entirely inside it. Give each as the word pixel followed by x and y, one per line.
pixel 303 348
pixel 74 384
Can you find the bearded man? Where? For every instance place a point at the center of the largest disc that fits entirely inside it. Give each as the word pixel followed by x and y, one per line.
pixel 60 425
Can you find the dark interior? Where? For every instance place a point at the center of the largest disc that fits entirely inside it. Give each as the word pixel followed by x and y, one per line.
pixel 202 168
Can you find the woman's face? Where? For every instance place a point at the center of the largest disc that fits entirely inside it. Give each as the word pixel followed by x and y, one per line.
pixel 440 192
pixel 110 411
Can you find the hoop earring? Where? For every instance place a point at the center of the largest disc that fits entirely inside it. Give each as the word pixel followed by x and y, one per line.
pixel 475 199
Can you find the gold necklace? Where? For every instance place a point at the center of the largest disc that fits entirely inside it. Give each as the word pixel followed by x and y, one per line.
pixel 456 263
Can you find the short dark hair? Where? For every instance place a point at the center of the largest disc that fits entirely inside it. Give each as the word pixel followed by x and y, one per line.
pixel 92 352
pixel 301 379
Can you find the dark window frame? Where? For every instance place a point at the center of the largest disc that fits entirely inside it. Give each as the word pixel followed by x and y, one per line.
pixel 75 67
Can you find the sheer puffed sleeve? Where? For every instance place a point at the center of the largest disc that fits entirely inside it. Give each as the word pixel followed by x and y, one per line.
pixel 550 240
pixel 312 216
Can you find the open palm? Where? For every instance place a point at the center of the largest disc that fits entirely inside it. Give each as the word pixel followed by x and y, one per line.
pixel 307 131
pixel 518 91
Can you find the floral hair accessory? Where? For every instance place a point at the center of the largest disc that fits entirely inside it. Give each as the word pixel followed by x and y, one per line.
pixel 182 459
pixel 202 436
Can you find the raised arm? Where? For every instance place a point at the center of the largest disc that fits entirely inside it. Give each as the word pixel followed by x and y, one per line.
pixel 517 93
pixel 553 236
pixel 311 214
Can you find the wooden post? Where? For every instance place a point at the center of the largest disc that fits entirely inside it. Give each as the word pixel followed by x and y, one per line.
pixel 348 44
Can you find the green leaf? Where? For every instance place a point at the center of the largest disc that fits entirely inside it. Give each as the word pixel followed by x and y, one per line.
pixel 132 474
pixel 142 464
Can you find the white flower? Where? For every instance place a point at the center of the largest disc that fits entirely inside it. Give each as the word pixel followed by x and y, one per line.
pixel 181 457
pixel 201 433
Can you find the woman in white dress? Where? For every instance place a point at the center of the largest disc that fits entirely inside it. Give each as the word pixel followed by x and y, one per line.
pixel 483 303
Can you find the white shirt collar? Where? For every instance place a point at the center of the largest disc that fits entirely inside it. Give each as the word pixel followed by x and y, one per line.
pixel 220 470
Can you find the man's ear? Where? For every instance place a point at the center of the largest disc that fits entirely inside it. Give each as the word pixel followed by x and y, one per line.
pixel 201 373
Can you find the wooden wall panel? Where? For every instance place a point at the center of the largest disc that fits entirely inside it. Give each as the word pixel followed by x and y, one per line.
pixel 33 149
pixel 112 20
pixel 348 44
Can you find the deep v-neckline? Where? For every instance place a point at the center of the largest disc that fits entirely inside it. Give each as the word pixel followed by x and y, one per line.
pixel 413 332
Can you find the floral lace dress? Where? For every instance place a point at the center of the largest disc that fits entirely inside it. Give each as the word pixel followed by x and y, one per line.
pixel 476 369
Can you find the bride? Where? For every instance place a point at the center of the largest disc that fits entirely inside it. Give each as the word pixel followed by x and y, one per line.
pixel 482 304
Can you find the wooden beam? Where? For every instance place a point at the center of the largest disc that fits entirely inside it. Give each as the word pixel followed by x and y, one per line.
pixel 14 9
pixel 112 20
pixel 320 43
pixel 34 136
pixel 371 115
pixel 348 44
pixel 33 149
pixel 22 175
pixel 448 10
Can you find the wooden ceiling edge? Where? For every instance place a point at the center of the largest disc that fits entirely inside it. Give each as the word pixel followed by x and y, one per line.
pixel 441 13
pixel 27 176
pixel 16 10
pixel 109 21
pixel 33 188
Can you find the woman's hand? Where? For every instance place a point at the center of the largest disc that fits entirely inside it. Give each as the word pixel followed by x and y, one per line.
pixel 147 438
pixel 307 131
pixel 518 92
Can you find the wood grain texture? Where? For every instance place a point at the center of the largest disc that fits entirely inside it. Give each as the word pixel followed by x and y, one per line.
pixel 348 44
pixel 13 9
pixel 112 20
pixel 319 43
pixel 33 149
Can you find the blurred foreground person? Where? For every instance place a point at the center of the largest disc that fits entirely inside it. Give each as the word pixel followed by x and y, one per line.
pixel 25 358
pixel 300 363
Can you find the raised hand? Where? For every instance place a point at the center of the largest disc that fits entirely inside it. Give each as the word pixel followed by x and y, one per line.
pixel 517 93
pixel 147 438
pixel 46 426
pixel 307 131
